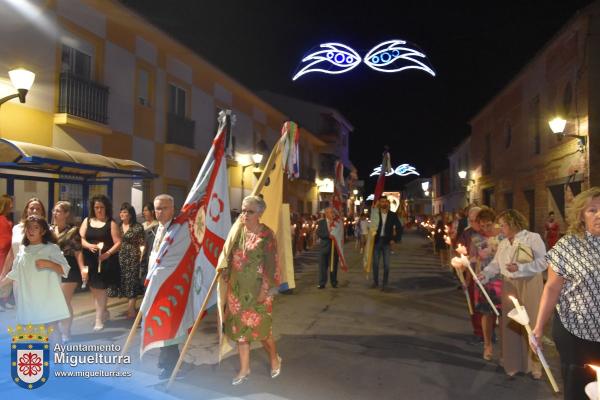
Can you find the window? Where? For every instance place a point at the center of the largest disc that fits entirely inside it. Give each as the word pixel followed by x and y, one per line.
pixel 177 100
pixel 76 62
pixel 143 87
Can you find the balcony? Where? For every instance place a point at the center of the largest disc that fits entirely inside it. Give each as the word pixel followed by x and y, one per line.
pixel 180 130
pixel 82 98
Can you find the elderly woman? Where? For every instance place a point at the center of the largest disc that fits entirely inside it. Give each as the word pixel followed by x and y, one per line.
pixel 522 278
pixel 573 288
pixel 251 276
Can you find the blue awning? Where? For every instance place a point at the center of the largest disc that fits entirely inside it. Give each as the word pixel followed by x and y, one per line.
pixel 37 158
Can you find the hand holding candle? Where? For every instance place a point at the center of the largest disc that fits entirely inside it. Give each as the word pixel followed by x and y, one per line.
pixel 519 314
pixel 100 247
pixel 465 261
pixel 460 249
pixel 589 388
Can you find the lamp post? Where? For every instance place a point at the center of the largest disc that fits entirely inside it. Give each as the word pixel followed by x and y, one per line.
pixel 558 125
pixel 462 174
pixel 22 80
pixel 256 160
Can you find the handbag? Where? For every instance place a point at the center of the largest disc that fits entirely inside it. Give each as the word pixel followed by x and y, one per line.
pixel 523 254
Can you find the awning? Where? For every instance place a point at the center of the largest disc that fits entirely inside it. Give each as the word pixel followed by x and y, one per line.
pixel 37 158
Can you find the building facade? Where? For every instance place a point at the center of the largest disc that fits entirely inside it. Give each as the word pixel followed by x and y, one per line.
pixel 109 84
pixel 516 160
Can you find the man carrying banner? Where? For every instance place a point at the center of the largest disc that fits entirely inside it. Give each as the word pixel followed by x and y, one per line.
pixel 388 230
pixel 326 258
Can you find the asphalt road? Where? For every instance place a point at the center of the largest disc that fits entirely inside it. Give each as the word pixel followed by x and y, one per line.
pixel 353 342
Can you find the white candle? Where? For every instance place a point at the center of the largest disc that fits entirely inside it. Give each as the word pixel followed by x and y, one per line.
pixel 515 302
pixel 597 369
pixel 460 249
pixel 85 271
pixel 100 247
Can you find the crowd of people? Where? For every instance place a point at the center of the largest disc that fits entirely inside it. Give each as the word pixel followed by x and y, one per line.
pixel 102 253
pixel 550 275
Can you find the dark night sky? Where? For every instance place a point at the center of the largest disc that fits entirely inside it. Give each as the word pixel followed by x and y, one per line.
pixel 475 47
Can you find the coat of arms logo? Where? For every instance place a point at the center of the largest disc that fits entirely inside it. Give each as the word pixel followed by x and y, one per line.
pixel 30 355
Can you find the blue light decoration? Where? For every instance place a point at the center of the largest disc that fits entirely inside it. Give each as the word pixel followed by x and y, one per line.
pixel 336 58
pixel 389 56
pixel 395 56
pixel 401 170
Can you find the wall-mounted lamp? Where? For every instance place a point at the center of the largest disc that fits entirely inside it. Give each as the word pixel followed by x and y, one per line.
pixel 22 80
pixel 558 125
pixel 256 160
pixel 425 186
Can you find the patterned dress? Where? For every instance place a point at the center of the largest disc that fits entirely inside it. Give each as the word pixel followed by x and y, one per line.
pixel 69 242
pixel 253 270
pixel 129 261
pixel 484 248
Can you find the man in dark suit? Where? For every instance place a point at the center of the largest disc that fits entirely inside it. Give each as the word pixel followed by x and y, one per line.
pixel 323 228
pixel 388 231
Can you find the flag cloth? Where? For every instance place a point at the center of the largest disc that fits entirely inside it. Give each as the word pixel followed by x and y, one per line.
pixel 276 217
pixel 336 230
pixel 187 258
pixel 386 167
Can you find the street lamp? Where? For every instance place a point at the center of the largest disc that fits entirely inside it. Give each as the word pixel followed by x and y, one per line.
pixel 462 174
pixel 256 160
pixel 558 125
pixel 22 80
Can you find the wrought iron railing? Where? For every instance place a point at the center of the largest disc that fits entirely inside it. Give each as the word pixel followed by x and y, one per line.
pixel 83 98
pixel 180 130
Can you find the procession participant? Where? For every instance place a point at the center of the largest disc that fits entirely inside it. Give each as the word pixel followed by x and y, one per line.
pixel 326 247
pixel 103 267
pixel 522 279
pixel 37 269
pixel 252 276
pixel 387 234
pixel 572 294
pixel 69 241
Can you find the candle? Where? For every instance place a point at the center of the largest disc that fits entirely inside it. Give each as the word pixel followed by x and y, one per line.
pixel 597 369
pixel 460 249
pixel 85 271
pixel 100 247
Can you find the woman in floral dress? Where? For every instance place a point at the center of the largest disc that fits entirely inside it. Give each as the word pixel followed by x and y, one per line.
pixel 130 256
pixel 252 277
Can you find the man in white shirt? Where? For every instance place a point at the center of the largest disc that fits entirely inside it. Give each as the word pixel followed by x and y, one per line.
pixel 164 207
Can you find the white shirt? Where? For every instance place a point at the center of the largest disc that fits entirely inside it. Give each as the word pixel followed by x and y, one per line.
pixel 39 296
pixel 577 261
pixel 383 219
pixel 161 232
pixel 506 252
pixel 18 232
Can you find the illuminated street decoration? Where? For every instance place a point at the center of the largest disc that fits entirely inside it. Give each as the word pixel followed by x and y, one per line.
pixel 390 56
pixel 337 58
pixel 401 170
pixel 394 56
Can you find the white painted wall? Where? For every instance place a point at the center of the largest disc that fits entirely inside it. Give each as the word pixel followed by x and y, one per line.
pixel 145 50
pixel 83 15
pixel 144 152
pixel 203 112
pixel 223 94
pixel 161 88
pixel 242 131
pixel 179 69
pixel 119 72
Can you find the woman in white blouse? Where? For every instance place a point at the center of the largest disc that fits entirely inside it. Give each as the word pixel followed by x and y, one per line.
pixel 522 280
pixel 573 293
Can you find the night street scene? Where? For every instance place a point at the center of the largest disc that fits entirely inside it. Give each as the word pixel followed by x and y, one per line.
pixel 259 199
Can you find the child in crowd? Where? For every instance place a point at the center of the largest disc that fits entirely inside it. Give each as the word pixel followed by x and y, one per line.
pixel 36 271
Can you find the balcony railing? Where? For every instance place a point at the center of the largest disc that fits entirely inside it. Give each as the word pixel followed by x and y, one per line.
pixel 180 130
pixel 83 98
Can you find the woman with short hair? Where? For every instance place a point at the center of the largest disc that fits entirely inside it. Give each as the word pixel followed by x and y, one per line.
pixel 572 295
pixel 252 277
pixel 520 260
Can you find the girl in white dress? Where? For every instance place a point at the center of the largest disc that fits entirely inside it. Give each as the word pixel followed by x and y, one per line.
pixel 36 271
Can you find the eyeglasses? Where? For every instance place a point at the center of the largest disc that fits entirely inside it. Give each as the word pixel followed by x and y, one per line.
pixel 249 212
